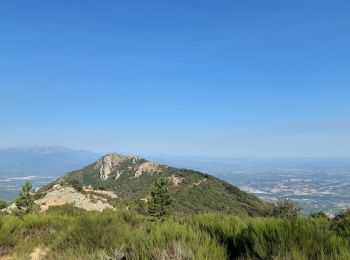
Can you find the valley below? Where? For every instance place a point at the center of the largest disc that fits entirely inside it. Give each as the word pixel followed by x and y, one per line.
pixel 314 192
pixel 11 185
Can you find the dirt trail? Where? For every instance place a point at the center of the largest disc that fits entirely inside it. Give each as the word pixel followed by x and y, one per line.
pixel 39 253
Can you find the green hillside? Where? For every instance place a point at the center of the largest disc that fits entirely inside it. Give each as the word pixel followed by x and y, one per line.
pixel 131 178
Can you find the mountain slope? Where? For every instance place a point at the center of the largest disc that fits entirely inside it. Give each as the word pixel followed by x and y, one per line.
pixel 131 178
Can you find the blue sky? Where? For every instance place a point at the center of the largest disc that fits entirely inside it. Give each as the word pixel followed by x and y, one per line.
pixel 224 78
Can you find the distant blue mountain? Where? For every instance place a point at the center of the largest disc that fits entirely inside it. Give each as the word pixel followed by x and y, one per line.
pixel 42 160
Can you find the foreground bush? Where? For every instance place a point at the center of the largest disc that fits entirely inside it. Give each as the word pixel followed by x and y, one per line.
pixel 70 233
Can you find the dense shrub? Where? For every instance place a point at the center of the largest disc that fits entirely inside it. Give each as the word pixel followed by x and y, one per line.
pixel 278 238
pixel 39 195
pixel 3 204
pixel 342 227
pixel 73 233
pixel 343 214
pixel 286 208
pixel 76 184
pixel 319 215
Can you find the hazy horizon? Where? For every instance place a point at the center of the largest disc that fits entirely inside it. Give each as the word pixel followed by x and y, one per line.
pixel 178 156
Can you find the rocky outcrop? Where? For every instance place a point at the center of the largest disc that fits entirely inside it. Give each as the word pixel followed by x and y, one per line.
pixel 111 165
pixel 60 195
pixel 149 168
pixel 175 180
pixel 9 209
pixel 101 192
pixel 108 163
pixel 199 182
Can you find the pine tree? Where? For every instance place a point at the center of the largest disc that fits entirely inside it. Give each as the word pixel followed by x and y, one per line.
pixel 160 199
pixel 25 199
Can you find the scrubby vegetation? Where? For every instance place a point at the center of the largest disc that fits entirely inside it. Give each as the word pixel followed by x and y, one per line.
pixel 70 233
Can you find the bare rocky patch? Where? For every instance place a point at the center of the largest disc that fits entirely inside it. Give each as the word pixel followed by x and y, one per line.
pixel 110 194
pixel 60 195
pixel 149 168
pixel 6 257
pixel 39 253
pixel 199 182
pixel 175 180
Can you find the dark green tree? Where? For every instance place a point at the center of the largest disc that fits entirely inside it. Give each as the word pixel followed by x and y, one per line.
pixel 25 199
pixel 160 199
pixel 3 204
pixel 76 184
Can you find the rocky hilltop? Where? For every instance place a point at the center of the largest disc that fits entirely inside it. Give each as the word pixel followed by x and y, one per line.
pixel 110 166
pixel 116 179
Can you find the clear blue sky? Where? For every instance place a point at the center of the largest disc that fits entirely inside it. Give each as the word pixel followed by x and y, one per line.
pixel 217 78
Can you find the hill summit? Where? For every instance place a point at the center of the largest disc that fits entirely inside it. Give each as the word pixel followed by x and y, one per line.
pixel 130 179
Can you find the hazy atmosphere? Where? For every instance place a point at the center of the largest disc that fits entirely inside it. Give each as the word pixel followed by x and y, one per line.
pixel 238 78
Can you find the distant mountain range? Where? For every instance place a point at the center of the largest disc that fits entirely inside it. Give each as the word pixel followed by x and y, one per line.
pixel 42 160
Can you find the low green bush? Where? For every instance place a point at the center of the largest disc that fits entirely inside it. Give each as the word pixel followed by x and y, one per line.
pixel 76 184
